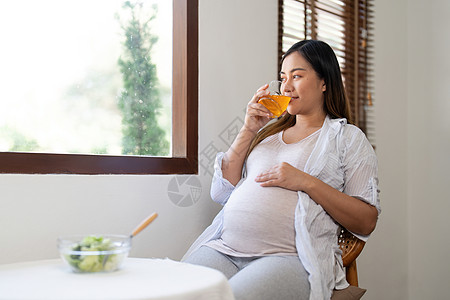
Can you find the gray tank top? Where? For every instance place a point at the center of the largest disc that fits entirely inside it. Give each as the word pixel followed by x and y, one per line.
pixel 259 221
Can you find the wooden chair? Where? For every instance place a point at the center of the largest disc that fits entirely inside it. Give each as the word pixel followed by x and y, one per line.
pixel 351 247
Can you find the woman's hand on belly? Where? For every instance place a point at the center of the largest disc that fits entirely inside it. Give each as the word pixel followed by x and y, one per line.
pixel 285 176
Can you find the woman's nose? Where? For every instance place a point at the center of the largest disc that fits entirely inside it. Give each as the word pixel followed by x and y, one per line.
pixel 287 87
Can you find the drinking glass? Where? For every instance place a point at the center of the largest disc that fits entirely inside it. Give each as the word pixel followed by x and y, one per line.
pixel 275 102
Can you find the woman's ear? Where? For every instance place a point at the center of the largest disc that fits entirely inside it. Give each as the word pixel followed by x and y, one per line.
pixel 324 87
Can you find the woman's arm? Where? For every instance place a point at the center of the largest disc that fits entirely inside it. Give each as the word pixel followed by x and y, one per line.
pixel 233 160
pixel 221 188
pixel 256 117
pixel 354 214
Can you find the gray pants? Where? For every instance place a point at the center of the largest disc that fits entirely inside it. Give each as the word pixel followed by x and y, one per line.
pixel 257 278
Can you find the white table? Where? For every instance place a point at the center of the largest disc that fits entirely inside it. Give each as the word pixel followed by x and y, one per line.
pixel 139 278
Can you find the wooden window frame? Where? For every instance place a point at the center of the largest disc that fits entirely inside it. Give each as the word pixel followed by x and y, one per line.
pixel 184 158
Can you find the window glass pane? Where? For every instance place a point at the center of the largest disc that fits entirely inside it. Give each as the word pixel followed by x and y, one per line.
pixel 77 77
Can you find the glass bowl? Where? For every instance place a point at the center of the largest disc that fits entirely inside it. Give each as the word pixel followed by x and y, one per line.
pixel 94 253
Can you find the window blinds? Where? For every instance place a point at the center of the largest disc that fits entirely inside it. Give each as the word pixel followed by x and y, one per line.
pixel 346 25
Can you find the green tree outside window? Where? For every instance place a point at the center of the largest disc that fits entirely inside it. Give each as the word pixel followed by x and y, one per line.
pixel 139 100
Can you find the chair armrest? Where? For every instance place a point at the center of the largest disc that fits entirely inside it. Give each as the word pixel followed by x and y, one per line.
pixel 350 245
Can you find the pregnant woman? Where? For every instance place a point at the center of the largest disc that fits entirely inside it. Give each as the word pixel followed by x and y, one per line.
pixel 287 186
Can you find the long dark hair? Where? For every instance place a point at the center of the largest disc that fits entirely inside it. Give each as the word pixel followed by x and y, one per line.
pixel 324 62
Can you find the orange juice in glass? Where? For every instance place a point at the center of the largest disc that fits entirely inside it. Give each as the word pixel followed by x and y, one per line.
pixel 275 102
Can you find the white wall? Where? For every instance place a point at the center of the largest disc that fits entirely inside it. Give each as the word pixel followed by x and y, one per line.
pixel 237 55
pixel 407 257
pixel 428 148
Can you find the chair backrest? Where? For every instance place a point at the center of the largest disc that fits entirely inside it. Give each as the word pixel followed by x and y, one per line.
pixel 351 247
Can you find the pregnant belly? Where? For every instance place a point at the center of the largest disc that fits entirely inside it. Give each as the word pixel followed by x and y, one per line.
pixel 260 220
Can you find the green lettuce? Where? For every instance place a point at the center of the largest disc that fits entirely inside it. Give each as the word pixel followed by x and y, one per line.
pixel 94 263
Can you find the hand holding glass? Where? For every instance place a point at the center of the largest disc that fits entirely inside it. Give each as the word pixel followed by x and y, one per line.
pixel 275 102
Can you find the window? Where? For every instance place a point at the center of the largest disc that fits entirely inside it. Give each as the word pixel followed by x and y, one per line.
pixel 346 25
pixel 184 120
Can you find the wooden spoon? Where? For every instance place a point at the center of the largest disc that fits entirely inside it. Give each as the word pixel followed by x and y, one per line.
pixel 144 224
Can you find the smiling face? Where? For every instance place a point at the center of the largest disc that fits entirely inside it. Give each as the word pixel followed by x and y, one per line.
pixel 301 83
